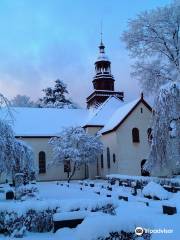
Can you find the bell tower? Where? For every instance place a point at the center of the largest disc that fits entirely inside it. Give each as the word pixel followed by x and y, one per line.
pixel 103 81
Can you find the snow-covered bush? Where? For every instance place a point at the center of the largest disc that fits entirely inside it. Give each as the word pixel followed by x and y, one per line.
pixel 26 191
pixel 37 216
pixel 155 190
pixel 39 221
pixel 12 223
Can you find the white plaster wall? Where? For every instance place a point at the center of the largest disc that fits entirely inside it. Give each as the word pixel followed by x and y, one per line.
pixel 54 172
pixel 109 140
pixel 128 154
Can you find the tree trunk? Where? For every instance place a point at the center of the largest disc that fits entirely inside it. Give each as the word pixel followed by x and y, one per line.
pixel 73 172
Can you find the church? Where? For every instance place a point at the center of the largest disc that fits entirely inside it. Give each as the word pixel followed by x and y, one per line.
pixel 123 129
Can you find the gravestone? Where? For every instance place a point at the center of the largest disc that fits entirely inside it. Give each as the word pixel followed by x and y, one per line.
pixel 9 195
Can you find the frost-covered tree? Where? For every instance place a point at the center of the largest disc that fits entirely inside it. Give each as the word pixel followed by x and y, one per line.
pixel 7 143
pixel 24 161
pixel 76 146
pixel 15 156
pixel 56 97
pixel 164 159
pixel 153 39
pixel 22 101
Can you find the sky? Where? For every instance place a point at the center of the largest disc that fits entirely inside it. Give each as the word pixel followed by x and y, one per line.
pixel 43 40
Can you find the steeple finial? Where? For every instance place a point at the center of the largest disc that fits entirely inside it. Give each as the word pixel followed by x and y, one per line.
pixel 101 33
pixel 101 47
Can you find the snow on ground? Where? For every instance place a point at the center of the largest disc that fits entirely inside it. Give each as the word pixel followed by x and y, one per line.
pixel 129 215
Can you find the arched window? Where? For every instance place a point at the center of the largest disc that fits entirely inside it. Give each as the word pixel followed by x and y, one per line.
pixel 102 161
pixel 144 172
pixel 114 158
pixel 108 158
pixel 149 134
pixel 42 162
pixel 135 135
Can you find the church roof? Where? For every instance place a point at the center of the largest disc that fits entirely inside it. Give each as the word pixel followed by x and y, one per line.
pixel 103 113
pixel 121 114
pixel 44 122
pixel 48 122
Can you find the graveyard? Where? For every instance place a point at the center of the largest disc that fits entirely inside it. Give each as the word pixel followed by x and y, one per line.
pixel 99 209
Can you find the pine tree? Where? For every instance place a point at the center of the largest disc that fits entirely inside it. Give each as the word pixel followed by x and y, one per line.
pixel 56 97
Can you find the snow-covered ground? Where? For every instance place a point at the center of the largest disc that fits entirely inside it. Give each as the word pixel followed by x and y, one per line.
pixel 129 215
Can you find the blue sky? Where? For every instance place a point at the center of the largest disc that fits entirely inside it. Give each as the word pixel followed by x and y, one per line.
pixel 42 40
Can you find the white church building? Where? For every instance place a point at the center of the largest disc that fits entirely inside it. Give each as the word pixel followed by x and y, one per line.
pixel 123 128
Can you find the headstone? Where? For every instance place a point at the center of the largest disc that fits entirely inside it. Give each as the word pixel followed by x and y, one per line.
pixel 169 210
pixel 19 181
pixel 108 195
pixel 123 198
pixel 9 195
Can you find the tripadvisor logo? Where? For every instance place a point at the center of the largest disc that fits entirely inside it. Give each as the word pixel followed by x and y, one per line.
pixel 139 231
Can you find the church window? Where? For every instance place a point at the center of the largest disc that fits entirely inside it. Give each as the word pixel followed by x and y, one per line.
pixel 102 161
pixel 114 158
pixel 141 110
pixel 108 158
pixel 42 162
pixel 135 135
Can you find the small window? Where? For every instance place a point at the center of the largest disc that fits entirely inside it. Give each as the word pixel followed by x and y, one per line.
pixel 42 162
pixel 135 135
pixel 114 158
pixel 102 161
pixel 141 110
pixel 67 166
pixel 149 134
pixel 108 158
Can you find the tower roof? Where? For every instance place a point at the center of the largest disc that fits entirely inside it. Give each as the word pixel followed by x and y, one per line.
pixel 102 56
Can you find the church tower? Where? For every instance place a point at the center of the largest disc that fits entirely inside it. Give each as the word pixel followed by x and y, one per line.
pixel 103 81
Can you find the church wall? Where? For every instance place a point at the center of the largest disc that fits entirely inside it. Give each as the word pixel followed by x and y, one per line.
pixel 128 154
pixel 109 141
pixel 54 172
pixel 92 130
pixel 92 168
pixel 131 154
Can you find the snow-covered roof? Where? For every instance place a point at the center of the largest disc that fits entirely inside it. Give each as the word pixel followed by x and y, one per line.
pixel 118 115
pixel 45 121
pixel 121 113
pixel 102 57
pixel 102 114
